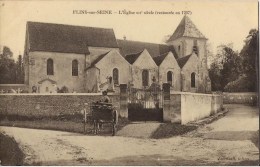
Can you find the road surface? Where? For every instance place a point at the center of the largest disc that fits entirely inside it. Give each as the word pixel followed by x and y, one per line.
pixel 226 141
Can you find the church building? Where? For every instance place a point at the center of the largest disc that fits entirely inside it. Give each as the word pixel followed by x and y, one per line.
pixel 89 59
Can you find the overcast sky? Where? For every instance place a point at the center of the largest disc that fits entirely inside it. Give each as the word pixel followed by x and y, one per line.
pixel 221 22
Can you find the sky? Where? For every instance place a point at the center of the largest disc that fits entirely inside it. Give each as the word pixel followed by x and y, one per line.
pixel 221 21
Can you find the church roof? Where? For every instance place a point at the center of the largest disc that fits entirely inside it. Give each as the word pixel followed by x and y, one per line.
pixel 183 60
pixel 159 59
pixel 131 58
pixel 186 28
pixel 128 47
pixel 100 57
pixel 68 38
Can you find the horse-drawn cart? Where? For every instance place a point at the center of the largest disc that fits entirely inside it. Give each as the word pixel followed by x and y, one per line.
pixel 102 113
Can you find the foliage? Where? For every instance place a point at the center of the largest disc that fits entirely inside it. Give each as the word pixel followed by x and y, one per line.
pixel 215 76
pixel 11 72
pixel 64 89
pixel 242 84
pixel 225 68
pixel 19 70
pixel 250 57
pixel 235 72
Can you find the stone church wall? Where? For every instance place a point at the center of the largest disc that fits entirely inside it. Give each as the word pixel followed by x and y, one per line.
pixel 170 64
pixel 144 62
pixel 62 69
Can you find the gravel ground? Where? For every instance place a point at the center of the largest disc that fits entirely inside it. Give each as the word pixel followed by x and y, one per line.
pixel 45 147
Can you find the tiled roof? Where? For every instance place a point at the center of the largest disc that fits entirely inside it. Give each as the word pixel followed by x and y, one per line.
pixel 159 59
pixel 182 61
pixel 68 38
pixel 100 57
pixel 131 58
pixel 186 28
pixel 129 47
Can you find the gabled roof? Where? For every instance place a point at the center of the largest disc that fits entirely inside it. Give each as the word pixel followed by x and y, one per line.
pixel 47 79
pixel 182 61
pixel 100 57
pixel 129 47
pixel 68 38
pixel 186 28
pixel 159 59
pixel 131 58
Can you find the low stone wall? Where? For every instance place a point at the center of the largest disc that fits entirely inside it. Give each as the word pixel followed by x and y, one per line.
pixel 197 106
pixel 48 105
pixel 250 98
pixel 187 107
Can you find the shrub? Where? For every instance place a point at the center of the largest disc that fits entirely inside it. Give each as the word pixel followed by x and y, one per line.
pixel 242 84
pixel 64 89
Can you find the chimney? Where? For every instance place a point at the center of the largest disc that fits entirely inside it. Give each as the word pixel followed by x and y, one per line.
pixel 124 37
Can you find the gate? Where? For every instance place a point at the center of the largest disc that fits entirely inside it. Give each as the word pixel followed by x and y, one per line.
pixel 145 104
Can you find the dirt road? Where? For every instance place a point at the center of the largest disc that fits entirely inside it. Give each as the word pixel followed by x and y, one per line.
pixel 213 144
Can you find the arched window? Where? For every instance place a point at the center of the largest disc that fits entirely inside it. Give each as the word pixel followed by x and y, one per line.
pixel 169 77
pixel 50 70
pixel 193 80
pixel 116 76
pixel 75 68
pixel 145 77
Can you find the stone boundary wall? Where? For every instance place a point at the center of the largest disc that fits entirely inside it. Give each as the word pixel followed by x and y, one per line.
pixel 197 106
pixel 250 98
pixel 48 105
pixel 188 107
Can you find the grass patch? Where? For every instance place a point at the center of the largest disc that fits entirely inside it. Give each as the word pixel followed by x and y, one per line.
pixel 10 153
pixel 167 130
pixel 68 126
pixel 255 139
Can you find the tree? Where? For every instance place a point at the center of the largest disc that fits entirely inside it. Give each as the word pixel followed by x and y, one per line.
pixel 232 67
pixel 11 72
pixel 19 70
pixel 250 59
pixel 225 68
pixel 7 67
pixel 215 76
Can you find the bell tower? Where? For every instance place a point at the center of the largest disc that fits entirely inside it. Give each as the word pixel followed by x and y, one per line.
pixel 187 39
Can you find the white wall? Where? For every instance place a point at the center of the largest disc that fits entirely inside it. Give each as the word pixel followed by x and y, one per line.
pixel 62 69
pixel 170 64
pixel 114 60
pixel 144 61
pixel 195 106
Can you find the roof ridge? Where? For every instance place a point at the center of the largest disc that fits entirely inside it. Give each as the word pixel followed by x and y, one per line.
pixel 142 42
pixel 135 53
pixel 183 60
pixel 100 57
pixel 69 25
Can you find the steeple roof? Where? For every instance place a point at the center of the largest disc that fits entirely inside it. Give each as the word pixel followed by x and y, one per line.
pixel 186 28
